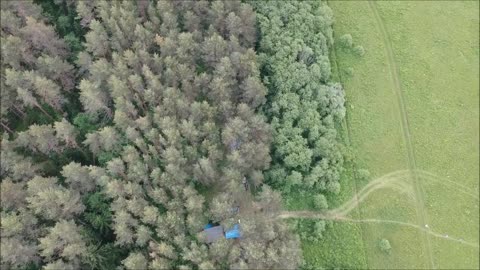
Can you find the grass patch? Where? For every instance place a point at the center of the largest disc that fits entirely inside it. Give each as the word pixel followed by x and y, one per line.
pixel 436 53
pixel 341 247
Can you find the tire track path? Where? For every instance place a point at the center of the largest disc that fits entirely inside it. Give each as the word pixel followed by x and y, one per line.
pixel 419 192
pixel 328 216
pixel 392 180
pixel 446 182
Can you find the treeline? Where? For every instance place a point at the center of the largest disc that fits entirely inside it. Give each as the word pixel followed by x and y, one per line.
pixel 127 126
pixel 168 140
pixel 302 105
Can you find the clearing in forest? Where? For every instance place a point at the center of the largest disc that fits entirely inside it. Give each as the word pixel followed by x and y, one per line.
pixel 412 118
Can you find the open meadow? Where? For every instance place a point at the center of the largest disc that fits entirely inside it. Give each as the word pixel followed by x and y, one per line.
pixel 412 122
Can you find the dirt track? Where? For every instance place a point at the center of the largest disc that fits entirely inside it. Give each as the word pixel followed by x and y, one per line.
pixel 394 180
pixel 446 182
pixel 399 181
pixel 407 136
pixel 319 215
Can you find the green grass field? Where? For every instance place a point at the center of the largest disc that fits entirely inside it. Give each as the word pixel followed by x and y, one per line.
pixel 412 109
pixel 437 55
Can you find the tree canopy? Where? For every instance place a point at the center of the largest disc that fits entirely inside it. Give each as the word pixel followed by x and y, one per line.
pixel 130 125
pixel 303 105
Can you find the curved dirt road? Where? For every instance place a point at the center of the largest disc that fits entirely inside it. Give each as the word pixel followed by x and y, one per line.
pixel 393 180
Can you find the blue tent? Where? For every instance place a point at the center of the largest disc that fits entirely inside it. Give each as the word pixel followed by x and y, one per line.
pixel 233 233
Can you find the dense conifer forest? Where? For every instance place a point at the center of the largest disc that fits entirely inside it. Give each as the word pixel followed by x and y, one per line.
pixel 127 126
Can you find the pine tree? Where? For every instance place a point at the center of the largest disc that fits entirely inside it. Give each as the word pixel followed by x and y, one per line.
pixel 63 245
pixel 34 70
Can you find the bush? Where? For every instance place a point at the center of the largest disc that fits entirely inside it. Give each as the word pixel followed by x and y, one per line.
pixel 320 202
pixel 346 41
pixel 363 174
pixel 333 187
pixel 349 72
pixel 318 229
pixel 385 246
pixel 311 230
pixel 359 50
pixel 294 179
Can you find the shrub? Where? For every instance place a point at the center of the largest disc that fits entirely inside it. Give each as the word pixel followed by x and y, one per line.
pixel 385 246
pixel 346 41
pixel 363 174
pixel 320 202
pixel 310 230
pixel 349 72
pixel 359 50
pixel 333 187
pixel 318 229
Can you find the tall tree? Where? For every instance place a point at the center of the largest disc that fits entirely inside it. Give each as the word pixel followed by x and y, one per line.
pixel 34 68
pixel 303 104
pixel 183 87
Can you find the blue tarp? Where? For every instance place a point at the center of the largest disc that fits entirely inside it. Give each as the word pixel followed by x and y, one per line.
pixel 213 234
pixel 233 233
pixel 209 225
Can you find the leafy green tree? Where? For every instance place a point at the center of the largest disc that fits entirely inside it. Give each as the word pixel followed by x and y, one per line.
pixel 303 105
pixel 320 202
pixel 346 40
pixel 359 50
pixel 363 174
